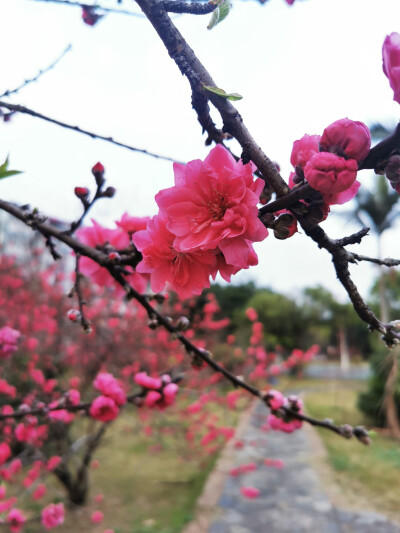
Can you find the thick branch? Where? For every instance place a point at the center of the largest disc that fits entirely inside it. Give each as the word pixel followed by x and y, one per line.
pixel 175 6
pixel 198 76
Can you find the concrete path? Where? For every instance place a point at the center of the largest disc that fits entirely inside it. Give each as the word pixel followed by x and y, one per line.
pixel 291 498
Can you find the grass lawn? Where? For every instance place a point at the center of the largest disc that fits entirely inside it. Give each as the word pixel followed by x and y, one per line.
pixel 366 475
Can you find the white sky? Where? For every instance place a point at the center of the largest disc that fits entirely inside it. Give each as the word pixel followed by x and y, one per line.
pixel 298 68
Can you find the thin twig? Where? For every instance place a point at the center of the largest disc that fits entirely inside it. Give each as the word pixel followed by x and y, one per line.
pixel 93 6
pixel 25 110
pixel 383 262
pixel 38 75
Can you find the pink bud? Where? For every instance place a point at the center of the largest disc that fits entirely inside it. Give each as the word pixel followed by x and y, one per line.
pixel 347 137
pixel 328 173
pixel 73 315
pixel 391 62
pixel 304 149
pixel 81 192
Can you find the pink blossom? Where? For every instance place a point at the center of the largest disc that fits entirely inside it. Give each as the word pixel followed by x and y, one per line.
pixel 330 174
pixel 53 515
pixel 5 452
pixel 169 393
pixel 97 517
pixel 109 386
pixel 73 397
pixel 391 62
pixel 347 137
pixel 104 409
pixel 304 149
pixel 16 520
pixel 132 224
pixel 187 272
pixel 141 378
pixel 251 314
pixel 152 398
pixel 275 399
pixel 214 204
pixel 96 236
pixel 344 196
pixel 8 341
pixel 39 492
pixel 250 492
pixel 278 424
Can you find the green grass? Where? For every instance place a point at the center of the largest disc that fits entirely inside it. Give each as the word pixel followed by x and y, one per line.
pixel 144 491
pixel 371 472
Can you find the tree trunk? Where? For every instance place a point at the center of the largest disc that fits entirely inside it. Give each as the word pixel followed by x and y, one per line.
pixel 392 420
pixel 344 350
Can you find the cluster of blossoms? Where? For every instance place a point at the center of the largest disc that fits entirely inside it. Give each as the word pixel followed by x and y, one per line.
pixel 280 419
pixel 106 407
pixel 8 341
pixel 159 392
pixel 206 224
pixel 329 163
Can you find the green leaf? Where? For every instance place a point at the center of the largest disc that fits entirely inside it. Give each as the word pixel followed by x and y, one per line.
pixel 222 93
pixel 219 14
pixel 5 173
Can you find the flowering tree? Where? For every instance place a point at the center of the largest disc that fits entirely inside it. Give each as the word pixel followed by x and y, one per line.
pixel 206 225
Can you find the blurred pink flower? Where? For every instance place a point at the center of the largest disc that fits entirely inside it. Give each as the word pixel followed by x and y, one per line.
pixel 391 62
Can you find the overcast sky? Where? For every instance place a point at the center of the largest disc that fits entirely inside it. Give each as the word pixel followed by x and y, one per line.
pixel 298 68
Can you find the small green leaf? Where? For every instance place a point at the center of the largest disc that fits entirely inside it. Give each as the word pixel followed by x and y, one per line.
pixel 5 173
pixel 219 14
pixel 222 93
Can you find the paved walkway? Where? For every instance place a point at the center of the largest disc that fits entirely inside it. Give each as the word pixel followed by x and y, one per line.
pixel 291 499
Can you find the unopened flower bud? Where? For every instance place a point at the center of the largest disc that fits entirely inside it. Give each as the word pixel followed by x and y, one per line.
pixel 183 323
pixel 98 173
pixel 73 315
pixel 346 431
pixel 114 256
pixel 81 192
pixel 362 435
pixel 109 192
pixel 153 323
pixel 285 226
pixel 160 298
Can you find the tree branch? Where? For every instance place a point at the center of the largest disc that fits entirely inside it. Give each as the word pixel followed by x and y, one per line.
pixel 38 75
pixel 198 77
pixel 92 6
pixel 25 110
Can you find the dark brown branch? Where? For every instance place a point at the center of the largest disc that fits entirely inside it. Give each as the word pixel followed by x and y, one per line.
pixel 379 154
pixel 25 110
pixel 288 200
pixel 198 77
pixel 175 6
pixel 38 75
pixel 85 323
